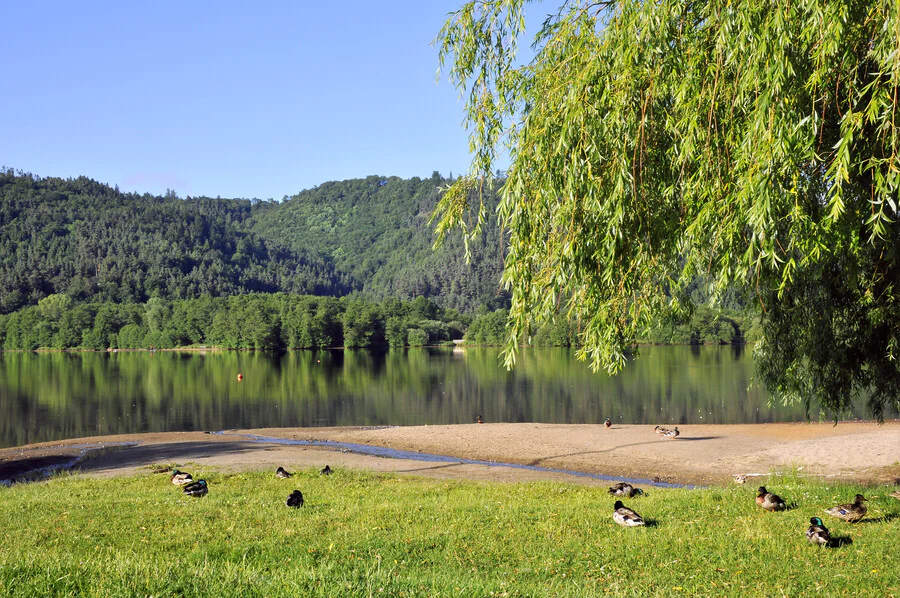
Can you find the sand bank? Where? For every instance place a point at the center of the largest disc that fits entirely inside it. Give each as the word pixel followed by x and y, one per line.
pixel 703 454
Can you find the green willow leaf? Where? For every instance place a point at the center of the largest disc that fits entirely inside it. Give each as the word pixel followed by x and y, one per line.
pixel 751 143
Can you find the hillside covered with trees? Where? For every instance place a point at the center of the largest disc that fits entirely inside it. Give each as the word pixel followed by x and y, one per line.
pixel 96 244
pixel 377 230
pixel 93 243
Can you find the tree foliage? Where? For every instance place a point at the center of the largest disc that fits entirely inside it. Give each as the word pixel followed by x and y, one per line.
pixel 754 144
pixel 90 242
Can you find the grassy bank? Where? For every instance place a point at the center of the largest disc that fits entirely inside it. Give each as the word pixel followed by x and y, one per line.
pixel 367 535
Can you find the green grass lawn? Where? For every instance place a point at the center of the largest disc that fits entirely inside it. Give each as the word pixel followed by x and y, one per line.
pixel 370 535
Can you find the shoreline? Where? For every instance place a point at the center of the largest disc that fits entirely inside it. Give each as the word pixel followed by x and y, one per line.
pixel 705 454
pixel 452 344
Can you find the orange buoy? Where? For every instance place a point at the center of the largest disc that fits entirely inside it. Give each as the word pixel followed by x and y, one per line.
pixel 240 377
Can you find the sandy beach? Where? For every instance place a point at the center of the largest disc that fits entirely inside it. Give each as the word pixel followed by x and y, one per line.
pixel 703 454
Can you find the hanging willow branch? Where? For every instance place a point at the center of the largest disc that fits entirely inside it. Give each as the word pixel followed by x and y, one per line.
pixel 754 144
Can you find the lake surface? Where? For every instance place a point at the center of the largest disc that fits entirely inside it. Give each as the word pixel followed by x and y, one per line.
pixel 52 396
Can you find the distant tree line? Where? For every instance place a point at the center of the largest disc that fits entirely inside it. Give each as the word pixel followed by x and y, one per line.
pixel 280 321
pixel 256 321
pixel 698 326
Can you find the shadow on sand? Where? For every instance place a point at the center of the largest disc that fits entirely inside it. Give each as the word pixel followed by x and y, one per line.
pixel 30 468
pixel 100 458
pixel 617 448
pixel 142 455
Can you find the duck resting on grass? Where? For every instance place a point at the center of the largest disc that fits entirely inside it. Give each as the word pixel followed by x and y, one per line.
pixel 769 501
pixel 624 489
pixel 326 470
pixel 817 532
pixel 179 478
pixel 197 489
pixel 625 516
pixel 281 473
pixel 295 500
pixel 852 512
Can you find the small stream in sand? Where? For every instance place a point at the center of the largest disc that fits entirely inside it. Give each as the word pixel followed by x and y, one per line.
pixel 91 451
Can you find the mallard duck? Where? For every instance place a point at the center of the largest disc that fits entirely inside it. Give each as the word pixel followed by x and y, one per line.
pixel 295 499
pixel 281 473
pixel 179 478
pixel 197 489
pixel 817 532
pixel 895 494
pixel 326 470
pixel 671 434
pixel 769 501
pixel 479 420
pixel 625 489
pixel 608 423
pixel 852 512
pixel 625 516
pixel 660 431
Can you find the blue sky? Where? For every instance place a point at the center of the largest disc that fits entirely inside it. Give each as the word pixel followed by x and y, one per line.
pixel 224 98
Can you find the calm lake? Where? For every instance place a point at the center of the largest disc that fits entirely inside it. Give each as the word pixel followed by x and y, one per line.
pixel 52 396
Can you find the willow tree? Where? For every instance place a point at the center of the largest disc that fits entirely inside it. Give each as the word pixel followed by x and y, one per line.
pixel 752 143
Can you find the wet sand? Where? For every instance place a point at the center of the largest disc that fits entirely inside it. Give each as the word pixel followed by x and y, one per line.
pixel 702 454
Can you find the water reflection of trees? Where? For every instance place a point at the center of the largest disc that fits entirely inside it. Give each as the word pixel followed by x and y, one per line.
pixel 60 395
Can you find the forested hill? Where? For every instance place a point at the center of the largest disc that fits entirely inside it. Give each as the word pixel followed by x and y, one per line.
pixel 93 243
pixel 377 230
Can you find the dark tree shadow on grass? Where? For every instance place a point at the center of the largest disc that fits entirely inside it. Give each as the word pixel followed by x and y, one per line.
pixel 29 468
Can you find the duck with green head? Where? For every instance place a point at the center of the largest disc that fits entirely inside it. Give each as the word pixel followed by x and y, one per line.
pixel 817 533
pixel 197 489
